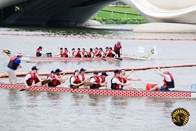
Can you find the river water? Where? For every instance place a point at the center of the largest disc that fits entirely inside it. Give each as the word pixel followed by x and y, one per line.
pixel 42 111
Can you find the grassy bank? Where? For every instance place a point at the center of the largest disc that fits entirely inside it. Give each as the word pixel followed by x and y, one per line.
pixel 118 15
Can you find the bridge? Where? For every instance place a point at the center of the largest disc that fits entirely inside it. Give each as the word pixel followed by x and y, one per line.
pixel 72 12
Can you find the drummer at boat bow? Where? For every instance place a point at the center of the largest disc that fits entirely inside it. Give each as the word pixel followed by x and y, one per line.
pixel 56 78
pixel 168 81
pixel 13 65
pixel 118 48
pixel 116 83
pixel 39 52
pixel 32 77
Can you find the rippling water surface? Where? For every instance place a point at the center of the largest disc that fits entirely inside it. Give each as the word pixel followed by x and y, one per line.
pixel 69 111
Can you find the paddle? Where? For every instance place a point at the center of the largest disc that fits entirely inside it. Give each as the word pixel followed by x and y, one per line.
pixel 3 74
pixel 138 77
pixel 44 82
pixel 85 84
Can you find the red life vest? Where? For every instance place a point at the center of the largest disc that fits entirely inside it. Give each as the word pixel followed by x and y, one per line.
pixel 96 52
pixel 12 64
pixel 97 80
pixel 78 54
pixel 100 54
pixel 115 86
pixel 55 82
pixel 83 77
pixel 117 48
pixel 110 54
pixel 65 53
pixel 77 80
pixel 90 54
pixel 61 53
pixel 84 53
pixel 38 52
pixel 102 78
pixel 123 80
pixel 50 84
pixel 33 78
pixel 169 84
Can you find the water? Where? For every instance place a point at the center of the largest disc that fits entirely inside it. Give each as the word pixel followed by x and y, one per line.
pixel 70 111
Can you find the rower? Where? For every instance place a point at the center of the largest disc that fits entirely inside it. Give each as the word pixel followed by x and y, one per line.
pixel 56 79
pixel 74 79
pixel 51 76
pixel 39 51
pixel 32 78
pixel 110 53
pixel 118 48
pixel 126 78
pixel 97 81
pixel 13 65
pixel 103 81
pixel 90 53
pixel 116 84
pixel 79 53
pixel 106 50
pixel 66 53
pixel 73 52
pixel 96 51
pixel 168 81
pixel 100 53
pixel 82 78
pixel 60 52
pixel 84 53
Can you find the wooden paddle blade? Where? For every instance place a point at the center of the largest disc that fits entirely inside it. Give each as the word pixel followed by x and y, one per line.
pixel 88 83
pixel 22 89
pixel 45 82
pixel 75 87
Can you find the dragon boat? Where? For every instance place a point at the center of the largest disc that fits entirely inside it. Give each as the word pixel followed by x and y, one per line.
pixel 49 58
pixel 123 93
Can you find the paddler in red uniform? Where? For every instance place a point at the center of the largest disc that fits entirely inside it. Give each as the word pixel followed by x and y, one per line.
pixel 97 81
pixel 84 53
pixel 126 78
pixel 73 53
pixel 39 52
pixel 100 53
pixel 32 78
pixel 103 80
pixel 116 83
pixel 90 53
pixel 79 53
pixel 82 78
pixel 168 81
pixel 66 53
pixel 74 79
pixel 118 49
pixel 96 51
pixel 110 53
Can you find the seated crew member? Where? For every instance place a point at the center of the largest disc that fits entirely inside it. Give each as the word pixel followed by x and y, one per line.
pixel 84 53
pixel 60 52
pixel 51 76
pixel 110 53
pixel 100 53
pixel 96 80
pixel 66 53
pixel 39 52
pixel 79 53
pixel 32 78
pixel 90 53
pixel 73 53
pixel 106 49
pixel 116 84
pixel 103 80
pixel 118 48
pixel 13 65
pixel 82 78
pixel 168 81
pixel 74 79
pixel 56 79
pixel 96 51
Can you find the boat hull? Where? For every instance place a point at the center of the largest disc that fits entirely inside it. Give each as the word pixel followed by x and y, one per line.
pixel 135 93
pixel 61 59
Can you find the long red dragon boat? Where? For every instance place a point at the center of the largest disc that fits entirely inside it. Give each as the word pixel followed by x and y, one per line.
pixel 49 58
pixel 123 93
